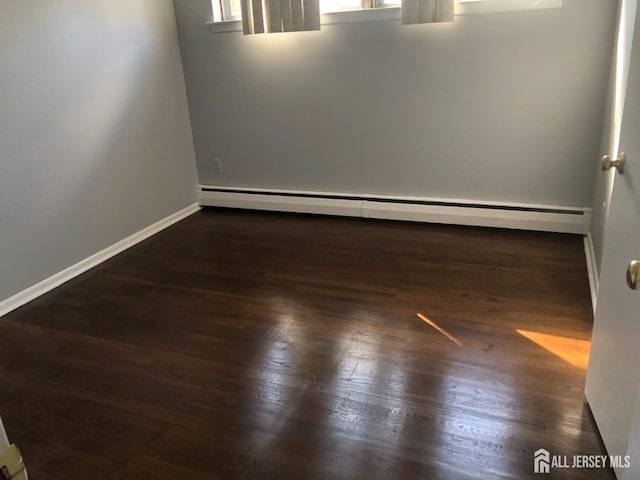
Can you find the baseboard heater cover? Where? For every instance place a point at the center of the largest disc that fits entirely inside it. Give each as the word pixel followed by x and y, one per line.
pixel 576 220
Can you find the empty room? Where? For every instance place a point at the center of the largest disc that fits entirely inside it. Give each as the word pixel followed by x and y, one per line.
pixel 319 239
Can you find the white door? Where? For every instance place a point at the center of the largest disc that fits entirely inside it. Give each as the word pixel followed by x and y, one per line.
pixel 4 442
pixel 613 377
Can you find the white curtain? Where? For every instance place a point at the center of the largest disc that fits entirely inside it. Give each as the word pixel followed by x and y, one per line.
pixel 266 16
pixel 427 11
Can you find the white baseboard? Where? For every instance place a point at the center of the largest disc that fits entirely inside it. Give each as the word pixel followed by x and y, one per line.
pixel 592 270
pixel 73 271
pixel 547 218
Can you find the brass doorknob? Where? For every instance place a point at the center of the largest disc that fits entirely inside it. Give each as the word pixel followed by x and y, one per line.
pixel 633 275
pixel 618 163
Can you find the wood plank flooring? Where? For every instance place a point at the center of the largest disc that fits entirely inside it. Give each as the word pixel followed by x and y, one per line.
pixel 245 345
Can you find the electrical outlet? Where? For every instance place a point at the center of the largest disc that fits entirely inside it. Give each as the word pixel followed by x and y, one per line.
pixel 217 164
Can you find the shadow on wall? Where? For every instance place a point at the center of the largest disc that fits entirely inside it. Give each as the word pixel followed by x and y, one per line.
pixel 95 141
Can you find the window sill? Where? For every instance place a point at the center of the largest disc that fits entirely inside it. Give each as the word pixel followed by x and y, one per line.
pixel 226 26
pixel 471 7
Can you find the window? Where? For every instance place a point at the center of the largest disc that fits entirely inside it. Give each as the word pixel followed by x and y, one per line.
pixel 339 5
pixel 229 10
pixel 224 10
pixel 342 5
pixel 388 3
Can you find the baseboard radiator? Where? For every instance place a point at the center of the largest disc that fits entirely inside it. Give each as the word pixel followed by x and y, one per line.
pixel 415 209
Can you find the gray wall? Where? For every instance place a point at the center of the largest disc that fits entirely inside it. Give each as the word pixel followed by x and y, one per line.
pixel 504 106
pixel 95 140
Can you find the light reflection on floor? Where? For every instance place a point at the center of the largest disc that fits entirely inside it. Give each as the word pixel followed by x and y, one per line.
pixel 367 378
pixel 571 350
pixel 273 366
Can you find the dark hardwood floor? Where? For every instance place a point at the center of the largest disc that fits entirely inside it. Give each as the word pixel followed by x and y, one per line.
pixel 242 345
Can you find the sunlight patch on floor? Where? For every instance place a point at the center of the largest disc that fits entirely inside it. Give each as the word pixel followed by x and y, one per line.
pixel 571 350
pixel 439 329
